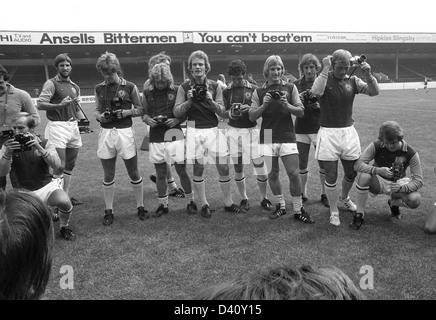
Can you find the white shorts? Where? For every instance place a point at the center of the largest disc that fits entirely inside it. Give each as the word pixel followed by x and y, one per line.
pixel 45 192
pixel 63 134
pixel 337 143
pixel 278 149
pixel 243 142
pixel 385 185
pixel 201 143
pixel 114 142
pixel 307 138
pixel 168 152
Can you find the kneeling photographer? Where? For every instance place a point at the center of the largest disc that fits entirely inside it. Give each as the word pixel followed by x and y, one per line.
pixel 29 159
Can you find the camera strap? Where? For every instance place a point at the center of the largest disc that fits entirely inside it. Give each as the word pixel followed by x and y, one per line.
pixel 116 91
pixel 78 104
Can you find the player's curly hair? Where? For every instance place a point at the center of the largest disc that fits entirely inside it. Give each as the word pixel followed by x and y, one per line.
pixel 309 58
pixel 108 63
pixel 390 131
pixel 236 67
pixel 160 72
pixel 272 61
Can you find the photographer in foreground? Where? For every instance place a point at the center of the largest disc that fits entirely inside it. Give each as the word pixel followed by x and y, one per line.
pixel 387 175
pixel 337 137
pixel 14 100
pixel 200 100
pixel 276 101
pixel 167 142
pixel 29 160
pixel 117 101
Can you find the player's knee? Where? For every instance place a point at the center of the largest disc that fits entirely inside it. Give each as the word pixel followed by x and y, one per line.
pixel 273 174
pixel 364 179
pixel 414 200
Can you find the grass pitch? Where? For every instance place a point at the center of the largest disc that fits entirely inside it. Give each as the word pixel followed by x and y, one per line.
pixel 174 256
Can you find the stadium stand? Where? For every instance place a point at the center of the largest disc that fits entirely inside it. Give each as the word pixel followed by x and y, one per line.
pixel 28 72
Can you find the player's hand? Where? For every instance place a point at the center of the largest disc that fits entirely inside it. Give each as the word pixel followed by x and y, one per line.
pixel 366 69
pixel 385 172
pixel 11 145
pixel 171 122
pixel 152 123
pixel 209 96
pixel 101 118
pixel 190 95
pixel 267 99
pixel 245 108
pixel 395 187
pixel 35 143
pixel 327 62
pixel 66 101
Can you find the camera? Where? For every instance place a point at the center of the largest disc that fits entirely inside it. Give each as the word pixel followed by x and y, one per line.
pixel 397 169
pixel 116 103
pixel 308 97
pixel 276 94
pixel 357 60
pixel 235 110
pixel 160 119
pixel 7 134
pixel 109 114
pixel 22 139
pixel 199 92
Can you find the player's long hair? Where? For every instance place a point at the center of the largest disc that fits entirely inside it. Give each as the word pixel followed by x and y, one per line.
pixel 158 58
pixel 160 72
pixel 272 61
pixel 26 242
pixel 390 131
pixel 307 59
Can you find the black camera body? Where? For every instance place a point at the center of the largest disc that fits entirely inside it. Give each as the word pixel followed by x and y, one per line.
pixel 235 110
pixel 117 103
pixel 199 92
pixel 109 114
pixel 7 134
pixel 308 97
pixel 397 170
pixel 357 60
pixel 276 94
pixel 22 139
pixel 160 119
